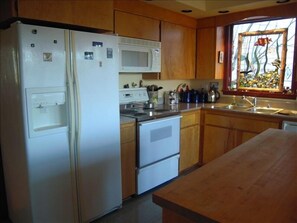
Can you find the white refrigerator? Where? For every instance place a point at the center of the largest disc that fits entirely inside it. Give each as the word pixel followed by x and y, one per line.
pixel 60 124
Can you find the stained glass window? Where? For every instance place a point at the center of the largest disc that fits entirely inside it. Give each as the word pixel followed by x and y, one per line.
pixel 262 55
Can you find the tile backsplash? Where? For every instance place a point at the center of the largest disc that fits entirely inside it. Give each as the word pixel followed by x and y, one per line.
pixel 168 85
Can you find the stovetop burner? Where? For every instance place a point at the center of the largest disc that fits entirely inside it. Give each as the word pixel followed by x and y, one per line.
pixel 132 105
pixel 142 114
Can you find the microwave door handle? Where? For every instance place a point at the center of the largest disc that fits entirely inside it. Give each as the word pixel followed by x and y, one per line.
pixel 152 57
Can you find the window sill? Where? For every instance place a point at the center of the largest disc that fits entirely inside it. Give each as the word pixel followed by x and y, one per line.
pixel 260 94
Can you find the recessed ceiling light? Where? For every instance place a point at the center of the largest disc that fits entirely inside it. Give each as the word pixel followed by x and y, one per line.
pixel 186 10
pixel 282 1
pixel 223 11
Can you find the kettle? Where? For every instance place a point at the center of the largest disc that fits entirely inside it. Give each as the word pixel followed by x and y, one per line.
pixel 213 94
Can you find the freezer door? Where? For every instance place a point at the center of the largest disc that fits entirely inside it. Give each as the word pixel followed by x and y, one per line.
pixel 42 171
pixel 95 60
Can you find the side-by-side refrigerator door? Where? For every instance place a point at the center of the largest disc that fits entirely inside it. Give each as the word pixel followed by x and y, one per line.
pixel 95 60
pixel 43 69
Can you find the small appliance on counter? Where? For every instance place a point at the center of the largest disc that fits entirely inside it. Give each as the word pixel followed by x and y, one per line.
pixel 213 94
pixel 153 94
pixel 171 97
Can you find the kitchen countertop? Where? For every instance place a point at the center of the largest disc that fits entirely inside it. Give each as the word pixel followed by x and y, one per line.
pixel 255 182
pixel 184 107
pixel 124 119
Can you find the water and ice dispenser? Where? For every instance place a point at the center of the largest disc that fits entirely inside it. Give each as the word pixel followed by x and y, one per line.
pixel 47 110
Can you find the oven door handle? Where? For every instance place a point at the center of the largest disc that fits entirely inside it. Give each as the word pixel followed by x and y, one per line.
pixel 160 120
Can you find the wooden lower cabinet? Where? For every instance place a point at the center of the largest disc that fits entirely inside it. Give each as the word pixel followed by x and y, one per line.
pixel 217 141
pixel 128 159
pixel 223 131
pixel 189 140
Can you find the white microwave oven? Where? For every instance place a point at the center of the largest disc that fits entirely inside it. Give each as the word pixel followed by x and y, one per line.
pixel 139 56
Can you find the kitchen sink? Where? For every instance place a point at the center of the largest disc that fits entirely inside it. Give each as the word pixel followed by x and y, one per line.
pixel 259 110
pixel 234 107
pixel 265 110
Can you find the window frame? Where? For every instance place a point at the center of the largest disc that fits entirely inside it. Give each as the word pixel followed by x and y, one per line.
pixel 228 65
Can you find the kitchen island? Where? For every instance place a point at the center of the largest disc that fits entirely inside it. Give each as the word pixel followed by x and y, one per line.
pixel 255 182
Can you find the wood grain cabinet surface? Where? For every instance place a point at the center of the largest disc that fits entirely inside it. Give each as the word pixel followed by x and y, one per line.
pixel 210 41
pixel 178 51
pixel 224 131
pixel 86 13
pixel 128 159
pixel 136 26
pixel 189 140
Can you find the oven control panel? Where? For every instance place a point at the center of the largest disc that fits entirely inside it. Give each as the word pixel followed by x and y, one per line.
pixel 130 95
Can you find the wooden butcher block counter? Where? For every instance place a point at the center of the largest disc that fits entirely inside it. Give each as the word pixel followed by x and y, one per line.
pixel 255 182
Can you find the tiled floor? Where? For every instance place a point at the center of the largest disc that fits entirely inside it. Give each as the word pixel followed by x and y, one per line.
pixel 138 209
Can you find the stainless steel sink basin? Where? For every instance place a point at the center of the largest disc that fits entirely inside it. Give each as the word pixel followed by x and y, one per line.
pixel 264 110
pixel 234 107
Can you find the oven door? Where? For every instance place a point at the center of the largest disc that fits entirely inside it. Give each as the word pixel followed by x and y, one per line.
pixel 158 139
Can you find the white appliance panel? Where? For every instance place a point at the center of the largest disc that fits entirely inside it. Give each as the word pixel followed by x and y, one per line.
pixel 47 156
pixel 40 170
pixel 42 56
pixel 139 56
pixel 156 174
pixel 98 150
pixel 50 178
pixel 158 139
pixel 289 126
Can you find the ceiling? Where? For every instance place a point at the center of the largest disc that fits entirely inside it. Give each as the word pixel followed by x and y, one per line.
pixel 208 8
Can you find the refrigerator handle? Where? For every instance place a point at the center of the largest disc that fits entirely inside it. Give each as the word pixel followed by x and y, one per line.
pixel 72 125
pixel 76 91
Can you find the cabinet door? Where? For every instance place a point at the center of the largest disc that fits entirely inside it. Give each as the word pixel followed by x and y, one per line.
pixel 217 141
pixel 128 159
pixel 243 136
pixel 189 147
pixel 209 42
pixel 46 10
pixel 135 26
pixel 94 14
pixel 178 51
pixel 88 13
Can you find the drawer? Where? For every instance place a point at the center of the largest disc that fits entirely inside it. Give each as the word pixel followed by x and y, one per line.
pixel 190 118
pixel 246 124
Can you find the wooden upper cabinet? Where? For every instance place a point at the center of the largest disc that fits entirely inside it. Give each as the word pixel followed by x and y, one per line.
pixel 7 9
pixel 136 26
pixel 96 14
pixel 45 10
pixel 210 41
pixel 178 51
pixel 87 13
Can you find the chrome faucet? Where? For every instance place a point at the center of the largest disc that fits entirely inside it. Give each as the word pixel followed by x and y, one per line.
pixel 252 103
